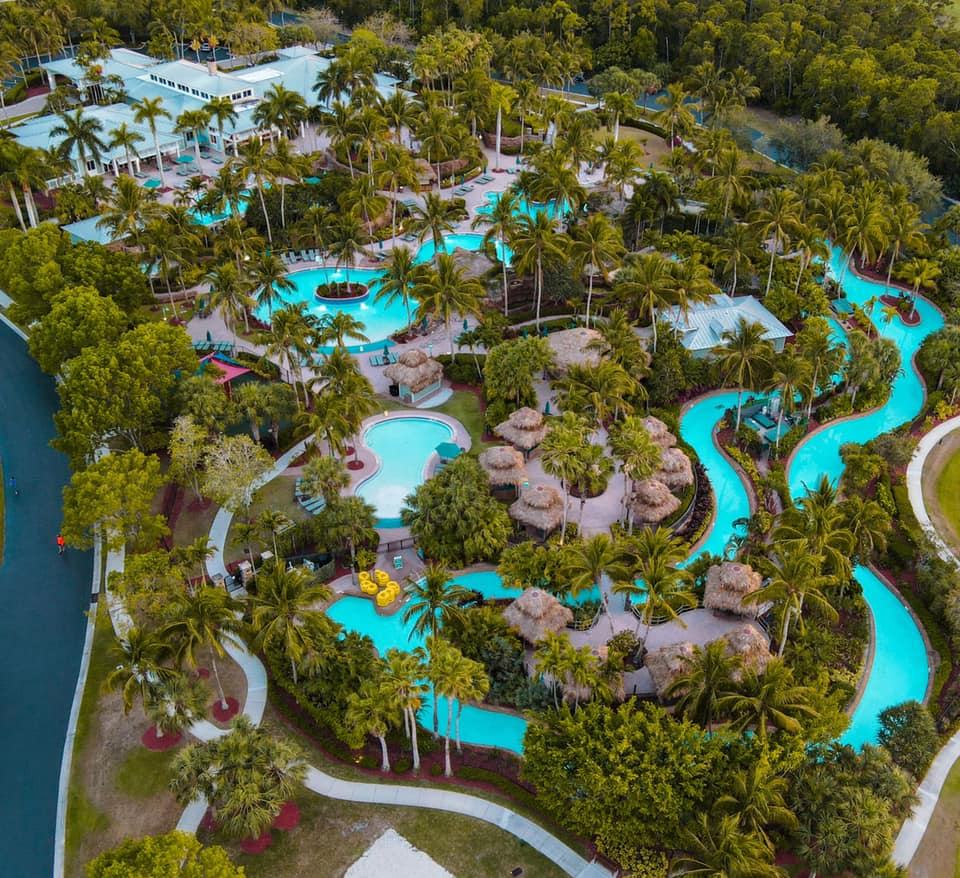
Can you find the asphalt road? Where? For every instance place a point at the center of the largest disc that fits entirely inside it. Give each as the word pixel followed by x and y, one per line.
pixel 42 620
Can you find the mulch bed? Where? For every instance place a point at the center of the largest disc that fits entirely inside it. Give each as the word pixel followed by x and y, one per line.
pixel 257 845
pixel 221 715
pixel 203 673
pixel 355 465
pixel 208 822
pixel 152 741
pixel 909 318
pixel 288 818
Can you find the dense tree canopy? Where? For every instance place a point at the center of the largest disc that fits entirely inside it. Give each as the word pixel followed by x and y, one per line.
pixel 174 855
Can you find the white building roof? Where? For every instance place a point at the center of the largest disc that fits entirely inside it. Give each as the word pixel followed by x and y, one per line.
pixel 703 326
pixel 124 63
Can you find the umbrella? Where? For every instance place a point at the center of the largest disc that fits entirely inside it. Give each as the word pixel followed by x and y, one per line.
pixel 546 408
pixel 448 450
pixel 465 326
pixel 313 181
pixel 152 183
pixel 386 350
pixel 184 159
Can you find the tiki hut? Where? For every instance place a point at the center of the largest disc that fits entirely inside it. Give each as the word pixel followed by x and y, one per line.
pixel 652 502
pixel 675 470
pixel 570 346
pixel 535 613
pixel 667 664
pixel 751 644
pixel 472 263
pixel 417 375
pixel 504 466
pixel 524 429
pixel 727 585
pixel 658 432
pixel 540 508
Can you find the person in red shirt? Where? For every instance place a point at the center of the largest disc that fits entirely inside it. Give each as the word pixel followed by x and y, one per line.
pixel 61 544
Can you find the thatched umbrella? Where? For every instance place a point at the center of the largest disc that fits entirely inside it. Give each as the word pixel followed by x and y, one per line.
pixel 472 263
pixel 675 470
pixel 524 429
pixel 728 584
pixel 539 507
pixel 569 346
pixel 667 664
pixel 658 432
pixel 652 502
pixel 535 613
pixel 414 370
pixel 504 466
pixel 753 646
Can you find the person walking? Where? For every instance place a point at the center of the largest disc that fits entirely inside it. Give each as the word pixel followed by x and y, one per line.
pixel 61 544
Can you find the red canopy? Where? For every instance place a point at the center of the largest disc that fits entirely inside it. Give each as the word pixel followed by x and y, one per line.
pixel 227 368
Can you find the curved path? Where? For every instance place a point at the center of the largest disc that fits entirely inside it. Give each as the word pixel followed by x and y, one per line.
pixel 42 626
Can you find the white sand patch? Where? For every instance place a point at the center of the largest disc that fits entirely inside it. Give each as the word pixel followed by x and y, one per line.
pixel 393 855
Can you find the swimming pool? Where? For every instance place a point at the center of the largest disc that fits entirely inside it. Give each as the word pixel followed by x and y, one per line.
pixel 470 242
pixel 404 445
pixel 488 583
pixel 208 219
pixel 523 208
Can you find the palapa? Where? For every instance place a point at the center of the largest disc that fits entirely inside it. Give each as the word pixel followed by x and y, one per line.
pixel 535 613
pixel 668 663
pixel 658 432
pixel 751 644
pixel 539 507
pixel 472 263
pixel 676 471
pixel 728 584
pixel 652 502
pixel 504 466
pixel 524 429
pixel 571 346
pixel 415 370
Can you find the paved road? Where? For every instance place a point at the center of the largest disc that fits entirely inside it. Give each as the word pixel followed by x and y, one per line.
pixel 42 624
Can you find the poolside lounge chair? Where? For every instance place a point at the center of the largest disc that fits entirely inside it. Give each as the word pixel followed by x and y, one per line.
pixel 217 160
pixel 390 359
pixel 315 505
pixel 467 187
pixel 377 360
pixel 408 237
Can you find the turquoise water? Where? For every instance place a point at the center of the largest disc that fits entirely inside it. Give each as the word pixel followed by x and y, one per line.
pixel 488 583
pixel 523 208
pixel 404 446
pixel 470 242
pixel 208 219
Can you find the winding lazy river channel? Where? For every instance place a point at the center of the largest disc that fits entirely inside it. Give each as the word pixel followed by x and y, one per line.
pixel 900 666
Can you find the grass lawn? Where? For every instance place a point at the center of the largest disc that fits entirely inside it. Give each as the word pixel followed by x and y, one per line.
pixel 144 773
pixel 276 495
pixel 937 855
pixel 465 407
pixel 947 495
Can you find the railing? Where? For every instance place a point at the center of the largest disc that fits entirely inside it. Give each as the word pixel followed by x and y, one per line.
pixel 659 619
pixel 586 624
pixel 397 545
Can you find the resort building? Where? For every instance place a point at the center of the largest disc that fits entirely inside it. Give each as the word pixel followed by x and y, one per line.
pixel 701 328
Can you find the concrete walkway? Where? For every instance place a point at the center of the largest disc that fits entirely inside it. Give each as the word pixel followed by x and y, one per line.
pixel 913 830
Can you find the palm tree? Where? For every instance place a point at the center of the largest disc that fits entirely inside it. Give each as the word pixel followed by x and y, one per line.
pixel 364 198
pixel 563 444
pixel 432 601
pixel 664 588
pixel 206 618
pixel 708 676
pixel 150 110
pixel 270 274
pixel 338 326
pixel 130 206
pixel 617 104
pixel 196 554
pixel 719 848
pixel 398 280
pixel 347 239
pixel 756 799
pixel 535 242
pixel 644 286
pixel 403 682
pixel 920 274
pixel 313 226
pixel 691 285
pixel 437 133
pixel 675 114
pixel 284 600
pixel 435 218
pixel 552 657
pixel 177 704
pixel 776 221
pixel 281 108
pixel 554 179
pixel 82 133
pixel 791 378
pixel 742 357
pixel 351 520
pixel 328 420
pixel 453 676
pixel 127 139
pixel 253 159
pixel 502 226
pixel 501 100
pixel 230 290
pixel 139 657
pixel 193 122
pixel 865 232
pixel 288 340
pixel 373 710
pixel 868 524
pixel 639 457
pixel 400 111
pixel 598 393
pixel 445 291
pixel 736 252
pixel 221 111
pixel 325 476
pixel 597 247
pixel 393 170
pixel 339 124
pixel 274 522
pixel 585 565
pixel 816 344
pixel 286 165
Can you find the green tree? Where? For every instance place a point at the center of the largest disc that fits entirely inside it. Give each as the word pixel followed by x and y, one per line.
pixel 139 658
pixel 501 223
pixel 597 247
pixel 445 292
pixel 776 222
pixel 374 711
pixel 560 451
pixel 192 122
pixel 644 286
pixel 398 281
pixel 327 477
pixel 909 735
pixel 639 457
pixel 720 848
pixel 177 703
pixel 222 112
pixel 756 798
pixel 233 469
pixel 150 110
pixel 188 444
pixel 536 243
pixel 351 522
pixel 403 681
pixel 742 357
pixel 81 133
pixel 456 678
pixel 174 855
pixel 709 675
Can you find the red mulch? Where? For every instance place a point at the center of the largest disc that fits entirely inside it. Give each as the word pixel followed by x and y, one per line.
pixel 203 673
pixel 288 818
pixel 152 741
pixel 221 715
pixel 909 318
pixel 200 503
pixel 349 450
pixel 209 823
pixel 355 465
pixel 257 845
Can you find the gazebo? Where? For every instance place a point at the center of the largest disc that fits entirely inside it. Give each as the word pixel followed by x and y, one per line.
pixel 658 432
pixel 652 502
pixel 571 346
pixel 539 508
pixel 504 467
pixel 747 642
pixel 727 585
pixel 667 664
pixel 675 471
pixel 524 429
pixel 417 375
pixel 535 613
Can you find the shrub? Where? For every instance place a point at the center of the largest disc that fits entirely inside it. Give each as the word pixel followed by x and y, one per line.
pixel 401 766
pixel 908 733
pixel 463 370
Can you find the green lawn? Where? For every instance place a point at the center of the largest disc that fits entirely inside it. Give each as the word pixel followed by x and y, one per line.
pixel 144 773
pixel 947 495
pixel 937 855
pixel 465 407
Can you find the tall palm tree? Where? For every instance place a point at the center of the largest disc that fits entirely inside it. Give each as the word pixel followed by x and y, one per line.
pixel 585 564
pixel 453 676
pixel 729 179
pixel 743 357
pixel 868 524
pixel 716 847
pixel 691 284
pixel 288 340
pixel 230 290
pixel 552 657
pixel 920 274
pixel 435 219
pixel 337 327
pixel 327 420
pixel 150 110
pixel 373 710
pixel 534 243
pixel 432 601
pixel 559 451
pixel 398 280
pixel 394 169
pixel 400 111
pixel 598 393
pixel 364 198
pixel 708 676
pixel 177 704
pixel 193 122
pixel 287 165
pixel 776 221
pixel 554 179
pixel 254 160
pixel 222 111
pixel 206 618
pixel 756 797
pixel 501 100
pixel 445 291
pixel 644 286
pixel 664 590
pixel 350 521
pixel 326 477
pixel 314 226
pixel 639 457
pixel 437 133
pixel 597 247
pixel 617 105
pixel 818 519
pixel 501 223
pixel 130 206
pixel 817 345
pixel 404 684
pixel 281 108
pixel 269 272
pixel 339 124
pixel 347 239
pixel 127 139
pixel 790 377
pixel 736 253
pixel 674 113
pixel 139 657
pixel 80 132
pixel 284 600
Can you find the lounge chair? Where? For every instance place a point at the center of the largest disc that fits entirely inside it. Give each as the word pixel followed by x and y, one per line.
pixel 398 562
pixel 467 187
pixel 315 505
pixel 377 360
pixel 408 237
pixel 217 160
pixel 390 359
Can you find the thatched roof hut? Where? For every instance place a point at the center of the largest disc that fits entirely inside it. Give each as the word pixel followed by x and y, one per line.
pixel 417 374
pixel 539 507
pixel 676 471
pixel 535 613
pixel 652 502
pixel 504 466
pixel 472 263
pixel 728 584
pixel 524 429
pixel 751 644
pixel 658 432
pixel 667 664
pixel 570 346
